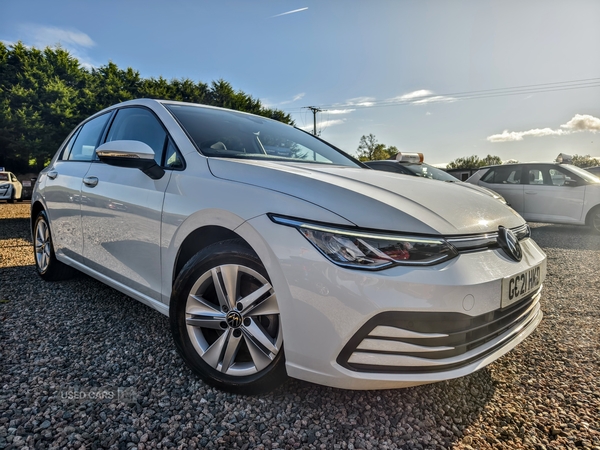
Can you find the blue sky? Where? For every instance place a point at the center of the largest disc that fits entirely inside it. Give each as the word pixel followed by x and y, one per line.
pixel 392 68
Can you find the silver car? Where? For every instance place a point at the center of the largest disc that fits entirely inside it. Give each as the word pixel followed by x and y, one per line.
pixel 273 253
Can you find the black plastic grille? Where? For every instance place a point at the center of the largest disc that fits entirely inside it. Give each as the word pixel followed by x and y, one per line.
pixel 464 333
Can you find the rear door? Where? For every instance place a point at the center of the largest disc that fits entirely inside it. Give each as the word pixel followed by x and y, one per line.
pixel 62 192
pixel 548 198
pixel 506 181
pixel 121 219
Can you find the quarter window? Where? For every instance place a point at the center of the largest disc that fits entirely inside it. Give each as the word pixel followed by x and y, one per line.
pixel 87 140
pixel 173 159
pixel 138 124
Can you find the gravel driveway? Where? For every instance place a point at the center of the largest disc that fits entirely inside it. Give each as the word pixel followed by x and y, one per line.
pixel 79 335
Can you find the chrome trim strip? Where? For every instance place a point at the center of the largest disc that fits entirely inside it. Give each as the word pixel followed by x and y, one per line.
pixel 382 345
pixel 393 332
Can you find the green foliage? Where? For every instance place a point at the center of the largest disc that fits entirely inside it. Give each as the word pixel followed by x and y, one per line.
pixel 44 94
pixel 473 162
pixel 370 150
pixel 585 161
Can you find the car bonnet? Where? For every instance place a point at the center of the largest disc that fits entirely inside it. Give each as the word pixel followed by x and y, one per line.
pixel 374 199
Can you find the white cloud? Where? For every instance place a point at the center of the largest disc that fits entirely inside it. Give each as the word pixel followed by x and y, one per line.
pixel 420 97
pixel 324 124
pixel 294 99
pixel 578 123
pixel 298 97
pixel 290 12
pixel 43 36
pixel 411 95
pixel 427 113
pixel 434 99
pixel 360 101
pixel 340 111
pixel 74 41
pixel 583 122
pixel 509 136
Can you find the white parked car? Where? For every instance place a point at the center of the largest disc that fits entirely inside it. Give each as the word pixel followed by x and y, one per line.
pixel 10 188
pixel 546 192
pixel 295 261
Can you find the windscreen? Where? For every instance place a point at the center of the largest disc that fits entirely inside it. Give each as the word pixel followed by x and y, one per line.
pixel 427 171
pixel 587 176
pixel 3 177
pixel 229 134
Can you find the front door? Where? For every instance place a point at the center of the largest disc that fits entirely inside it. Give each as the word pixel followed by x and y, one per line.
pixel 121 217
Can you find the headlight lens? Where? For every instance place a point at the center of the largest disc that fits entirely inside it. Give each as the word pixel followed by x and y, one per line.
pixel 364 250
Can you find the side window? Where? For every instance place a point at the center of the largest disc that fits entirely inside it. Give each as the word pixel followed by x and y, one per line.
pixel 138 124
pixel 87 140
pixel 536 177
pixel 173 159
pixel 558 177
pixel 503 175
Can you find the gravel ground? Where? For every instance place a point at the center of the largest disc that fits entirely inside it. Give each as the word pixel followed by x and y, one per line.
pixel 56 338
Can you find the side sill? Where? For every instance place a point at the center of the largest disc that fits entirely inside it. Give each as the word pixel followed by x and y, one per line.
pixel 146 300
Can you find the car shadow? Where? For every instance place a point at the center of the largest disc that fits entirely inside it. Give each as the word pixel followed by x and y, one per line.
pixel 15 228
pixel 568 237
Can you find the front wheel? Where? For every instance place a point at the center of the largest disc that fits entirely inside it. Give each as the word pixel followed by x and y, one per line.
pixel 225 320
pixel 594 219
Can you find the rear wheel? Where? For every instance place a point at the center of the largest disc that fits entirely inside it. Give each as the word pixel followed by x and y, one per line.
pixel 225 320
pixel 49 268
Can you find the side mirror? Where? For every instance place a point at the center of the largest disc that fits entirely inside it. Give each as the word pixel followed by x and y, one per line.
pixel 132 154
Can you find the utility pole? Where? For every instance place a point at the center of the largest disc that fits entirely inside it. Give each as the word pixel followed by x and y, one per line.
pixel 315 110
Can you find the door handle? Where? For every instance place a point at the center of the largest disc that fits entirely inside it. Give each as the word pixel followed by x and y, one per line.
pixel 531 193
pixel 52 174
pixel 90 181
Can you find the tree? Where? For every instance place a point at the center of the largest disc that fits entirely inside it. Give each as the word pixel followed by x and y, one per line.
pixel 369 149
pixel 473 162
pixel 44 94
pixel 585 161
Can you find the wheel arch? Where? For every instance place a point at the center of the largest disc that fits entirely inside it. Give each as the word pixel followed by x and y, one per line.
pixel 36 208
pixel 199 239
pixel 591 211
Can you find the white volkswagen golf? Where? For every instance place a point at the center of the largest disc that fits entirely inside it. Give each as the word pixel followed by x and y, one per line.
pixel 274 253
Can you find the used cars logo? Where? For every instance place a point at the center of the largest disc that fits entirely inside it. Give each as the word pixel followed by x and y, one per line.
pixel 509 243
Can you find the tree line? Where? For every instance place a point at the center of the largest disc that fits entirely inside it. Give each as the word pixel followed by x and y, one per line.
pixel 370 149
pixel 45 93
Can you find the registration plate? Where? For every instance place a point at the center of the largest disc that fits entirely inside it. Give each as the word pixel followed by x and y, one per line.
pixel 519 286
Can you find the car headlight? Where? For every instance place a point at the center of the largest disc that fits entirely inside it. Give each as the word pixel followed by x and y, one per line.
pixel 372 251
pixel 4 186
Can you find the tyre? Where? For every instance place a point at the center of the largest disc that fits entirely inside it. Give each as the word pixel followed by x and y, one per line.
pixel 12 196
pixel 48 267
pixel 225 320
pixel 593 219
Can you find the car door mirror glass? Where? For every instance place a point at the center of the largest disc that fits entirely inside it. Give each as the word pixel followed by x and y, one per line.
pixel 132 154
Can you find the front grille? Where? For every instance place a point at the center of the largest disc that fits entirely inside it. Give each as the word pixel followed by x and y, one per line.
pixel 433 341
pixel 484 241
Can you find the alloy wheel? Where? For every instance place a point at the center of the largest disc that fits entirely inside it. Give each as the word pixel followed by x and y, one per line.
pixel 232 319
pixel 42 245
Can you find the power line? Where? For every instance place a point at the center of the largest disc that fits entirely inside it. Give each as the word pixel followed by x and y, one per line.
pixel 470 95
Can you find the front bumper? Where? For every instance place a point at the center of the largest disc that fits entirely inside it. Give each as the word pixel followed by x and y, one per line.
pixel 6 192
pixel 398 327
